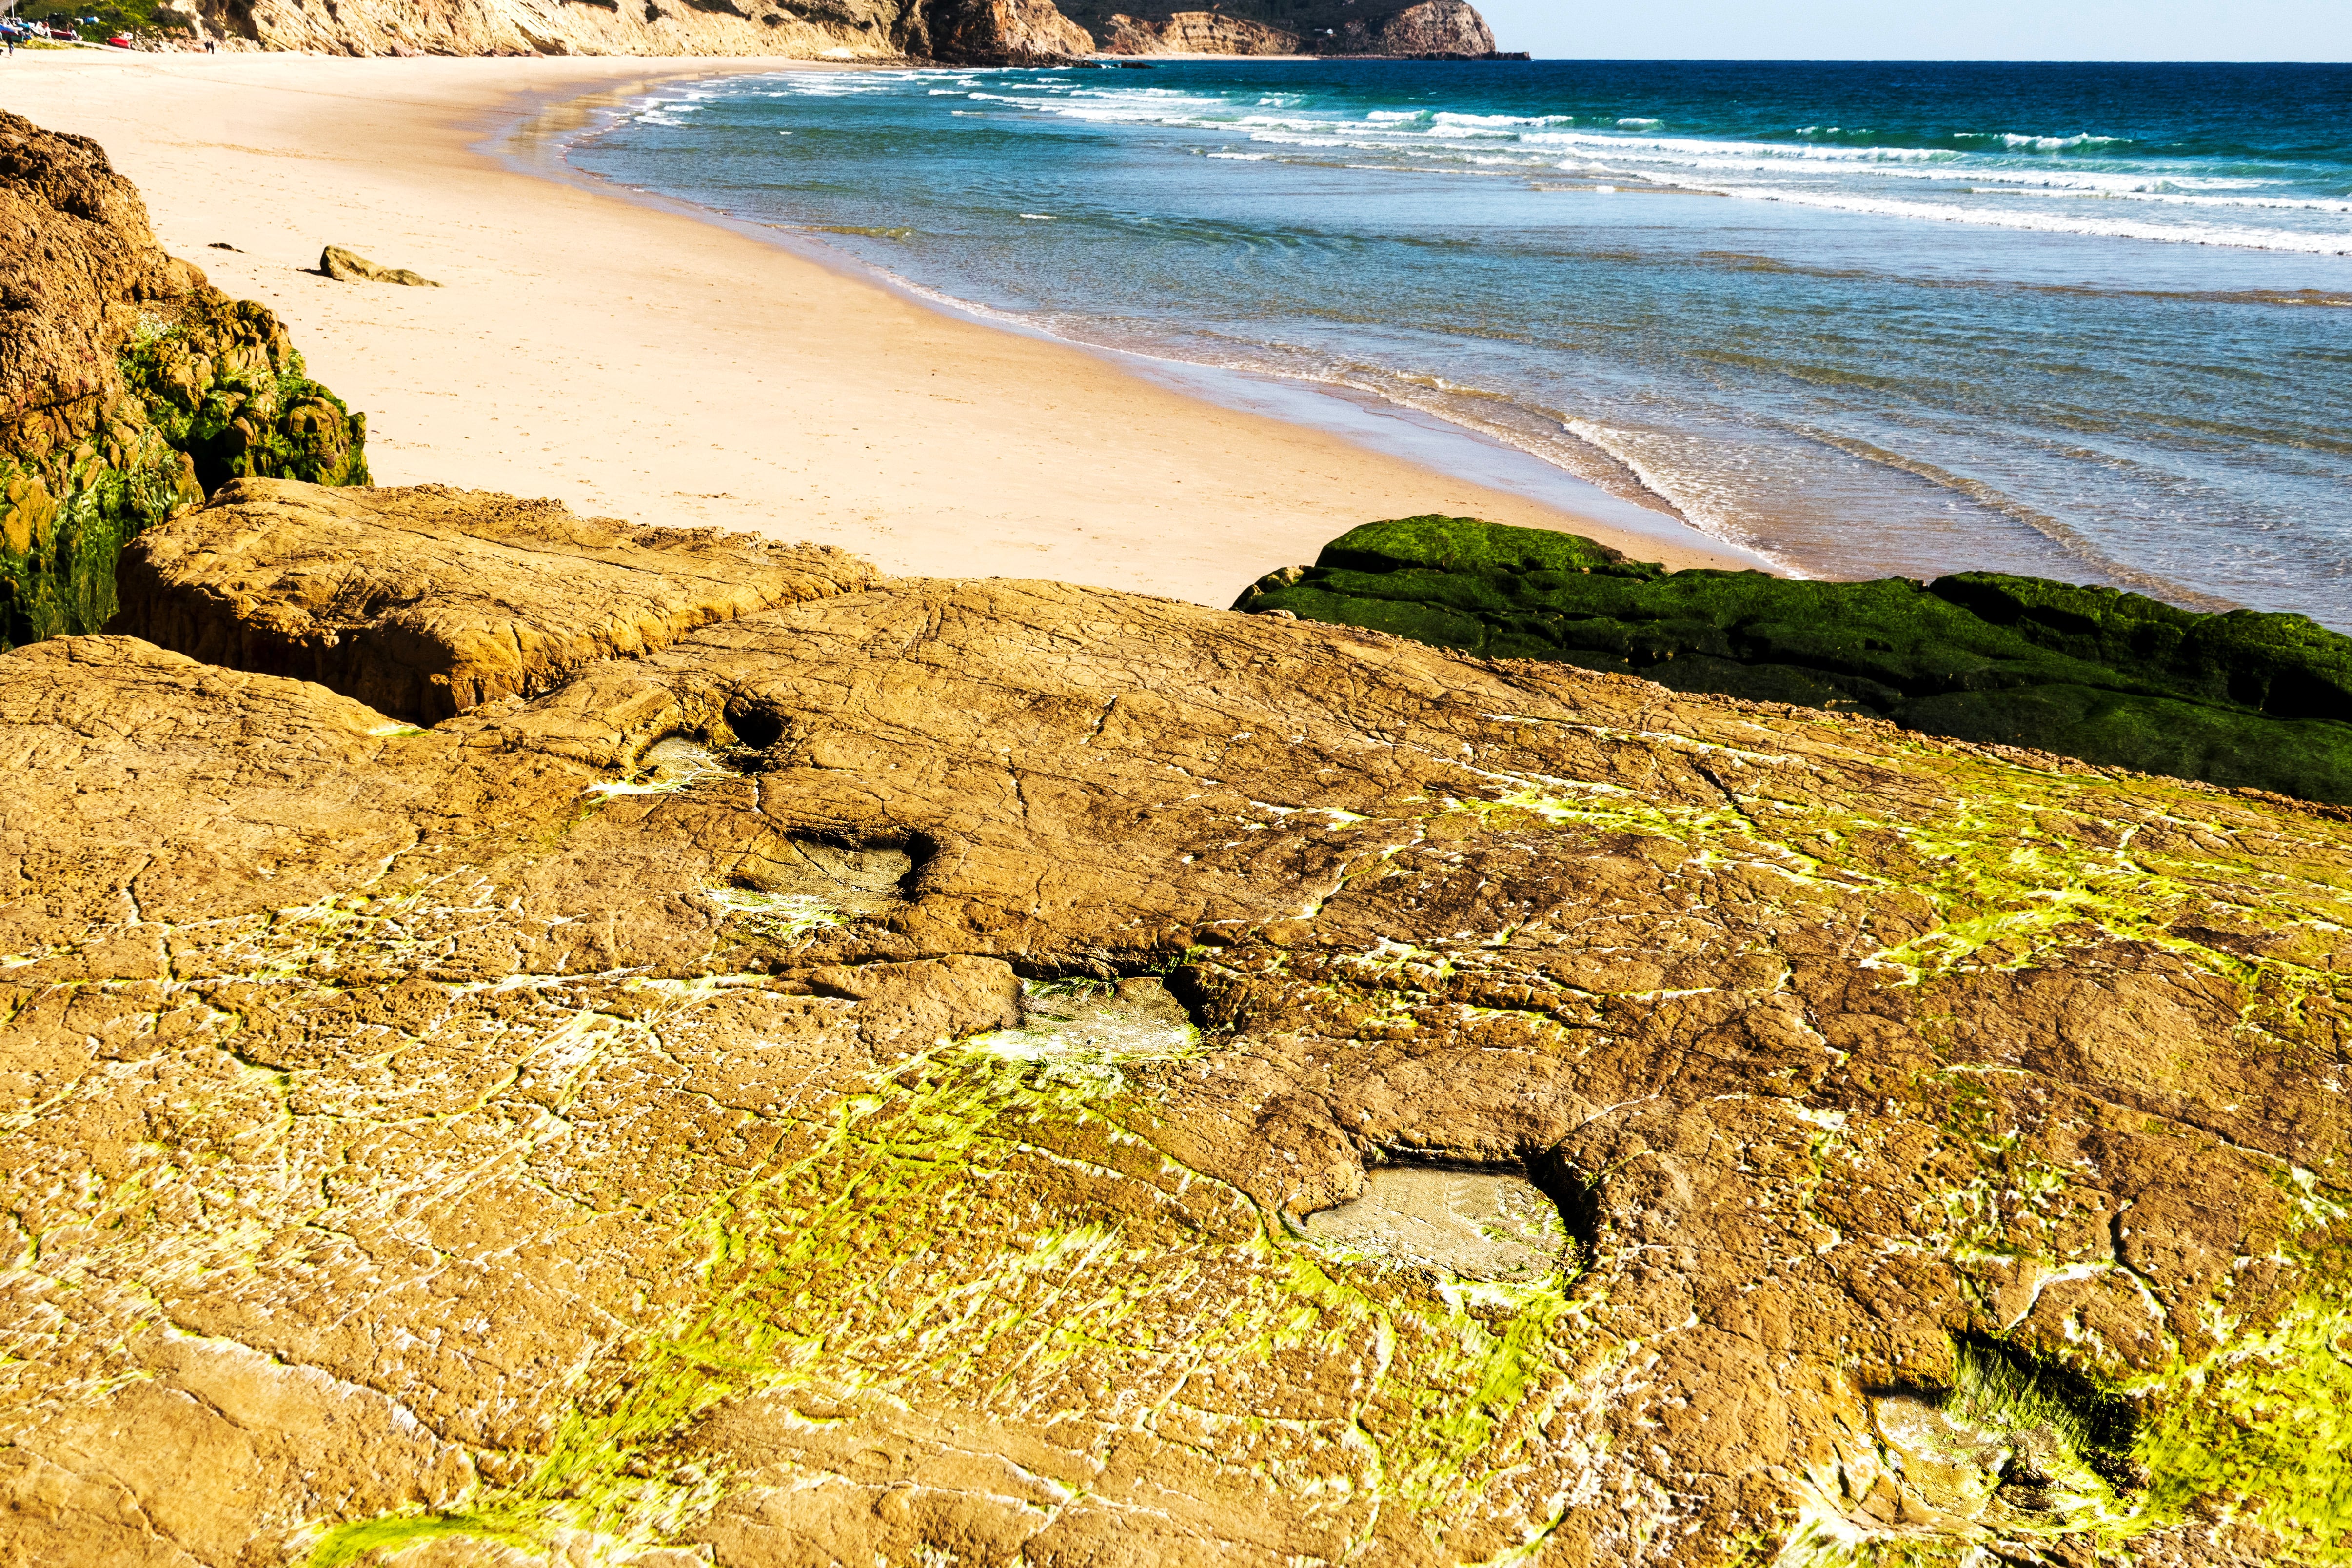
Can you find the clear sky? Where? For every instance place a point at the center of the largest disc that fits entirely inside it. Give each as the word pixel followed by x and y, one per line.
pixel 1876 30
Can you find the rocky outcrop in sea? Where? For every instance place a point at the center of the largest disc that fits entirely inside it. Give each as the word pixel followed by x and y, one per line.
pixel 530 1038
pixel 1414 28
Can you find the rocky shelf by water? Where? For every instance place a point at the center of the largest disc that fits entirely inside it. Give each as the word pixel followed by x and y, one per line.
pixel 534 1039
pixel 2242 699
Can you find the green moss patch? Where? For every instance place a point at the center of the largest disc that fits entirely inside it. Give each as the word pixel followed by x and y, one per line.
pixel 223 385
pixel 2243 699
pixel 215 394
pixel 2262 1423
pixel 895 1255
pixel 64 524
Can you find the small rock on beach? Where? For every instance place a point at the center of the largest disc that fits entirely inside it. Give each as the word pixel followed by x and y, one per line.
pixel 349 266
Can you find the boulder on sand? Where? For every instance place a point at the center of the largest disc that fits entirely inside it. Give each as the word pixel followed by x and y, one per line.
pixel 349 266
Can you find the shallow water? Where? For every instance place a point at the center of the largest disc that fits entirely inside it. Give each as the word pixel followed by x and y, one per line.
pixel 1479 1225
pixel 2091 322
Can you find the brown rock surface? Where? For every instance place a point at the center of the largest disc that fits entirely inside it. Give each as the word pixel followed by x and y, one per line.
pixel 1432 28
pixel 1002 32
pixel 485 1141
pixel 349 266
pixel 77 262
pixel 1194 33
pixel 424 601
pixel 1288 27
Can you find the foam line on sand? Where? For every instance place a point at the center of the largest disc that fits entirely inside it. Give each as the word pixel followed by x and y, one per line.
pixel 638 362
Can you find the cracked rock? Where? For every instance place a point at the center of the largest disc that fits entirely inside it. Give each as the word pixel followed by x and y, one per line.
pixel 407 1145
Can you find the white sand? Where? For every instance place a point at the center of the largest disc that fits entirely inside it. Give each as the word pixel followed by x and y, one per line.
pixel 640 363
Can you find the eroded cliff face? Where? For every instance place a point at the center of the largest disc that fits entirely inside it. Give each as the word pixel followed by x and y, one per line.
pixel 994 1072
pixel 962 31
pixel 1289 28
pixel 1193 33
pixel 977 32
pixel 1011 32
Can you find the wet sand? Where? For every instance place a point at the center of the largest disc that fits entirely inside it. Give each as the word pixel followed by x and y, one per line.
pixel 646 364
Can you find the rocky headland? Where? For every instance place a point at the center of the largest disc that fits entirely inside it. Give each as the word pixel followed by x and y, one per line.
pixel 958 32
pixel 535 1039
pixel 1391 27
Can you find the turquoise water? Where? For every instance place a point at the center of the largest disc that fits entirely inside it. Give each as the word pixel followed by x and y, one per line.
pixel 2085 321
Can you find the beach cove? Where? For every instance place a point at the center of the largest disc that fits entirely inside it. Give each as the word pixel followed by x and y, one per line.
pixel 644 364
pixel 2081 322
pixel 539 1037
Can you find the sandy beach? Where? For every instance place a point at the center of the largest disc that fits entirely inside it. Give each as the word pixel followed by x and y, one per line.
pixel 648 365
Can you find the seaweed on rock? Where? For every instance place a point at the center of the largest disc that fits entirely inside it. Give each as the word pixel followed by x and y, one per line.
pixel 216 394
pixel 223 385
pixel 2243 698
pixel 129 387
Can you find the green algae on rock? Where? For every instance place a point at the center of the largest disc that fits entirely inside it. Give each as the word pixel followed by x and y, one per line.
pixel 2243 698
pixel 129 387
pixel 220 381
pixel 908 1136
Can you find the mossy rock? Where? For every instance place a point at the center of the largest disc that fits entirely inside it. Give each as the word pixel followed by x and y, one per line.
pixel 2244 699
pixel 213 393
pixel 61 532
pixel 223 385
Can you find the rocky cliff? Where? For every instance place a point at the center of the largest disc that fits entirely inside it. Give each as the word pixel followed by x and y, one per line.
pixel 1288 27
pixel 980 32
pixel 128 385
pixel 962 31
pixel 994 1072
pixel 1000 32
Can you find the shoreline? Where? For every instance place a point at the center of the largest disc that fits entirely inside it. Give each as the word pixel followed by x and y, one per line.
pixel 666 367
pixel 1363 418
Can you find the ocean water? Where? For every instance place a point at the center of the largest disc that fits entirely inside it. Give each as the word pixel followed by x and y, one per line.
pixel 2084 321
